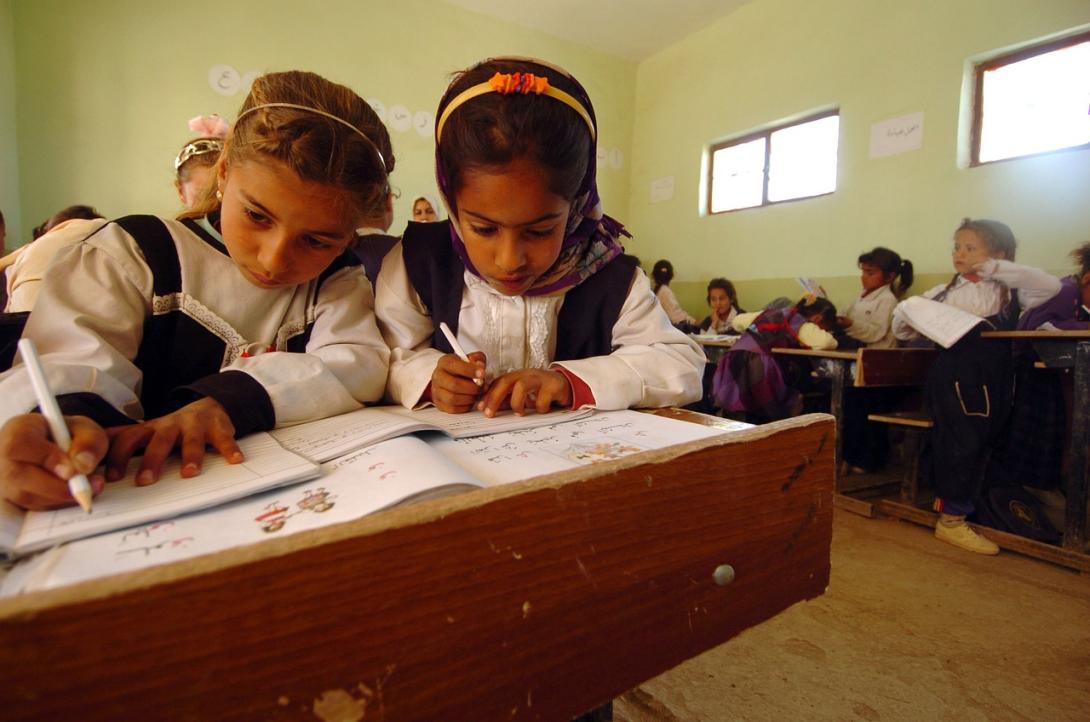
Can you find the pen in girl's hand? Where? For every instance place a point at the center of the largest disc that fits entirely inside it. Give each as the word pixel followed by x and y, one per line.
pixel 78 485
pixel 458 350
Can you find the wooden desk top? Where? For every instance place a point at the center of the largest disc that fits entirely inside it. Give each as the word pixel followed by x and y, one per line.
pixel 817 353
pixel 1073 335
pixel 536 600
pixel 710 341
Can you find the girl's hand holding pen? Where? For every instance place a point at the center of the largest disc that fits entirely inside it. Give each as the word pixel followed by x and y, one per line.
pixel 34 472
pixel 456 384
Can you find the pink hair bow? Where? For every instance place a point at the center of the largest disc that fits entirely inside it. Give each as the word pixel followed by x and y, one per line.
pixel 209 126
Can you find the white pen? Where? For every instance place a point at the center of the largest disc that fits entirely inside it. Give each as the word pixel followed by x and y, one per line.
pixel 457 347
pixel 78 485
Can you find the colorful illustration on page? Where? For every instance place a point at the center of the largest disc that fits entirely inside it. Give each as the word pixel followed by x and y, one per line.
pixel 276 515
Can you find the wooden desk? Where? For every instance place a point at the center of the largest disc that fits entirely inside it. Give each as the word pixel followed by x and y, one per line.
pixel 714 348
pixel 1068 350
pixel 863 367
pixel 537 600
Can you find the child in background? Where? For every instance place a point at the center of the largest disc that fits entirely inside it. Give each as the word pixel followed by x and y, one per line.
pixel 750 380
pixel 723 300
pixel 885 277
pixel 968 390
pixel 663 273
pixel 193 167
pixel 528 271
pixel 425 210
pixel 868 322
pixel 1031 454
pixel 246 314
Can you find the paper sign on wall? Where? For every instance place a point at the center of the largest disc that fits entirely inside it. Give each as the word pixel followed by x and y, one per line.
pixel 662 189
pixel 897 135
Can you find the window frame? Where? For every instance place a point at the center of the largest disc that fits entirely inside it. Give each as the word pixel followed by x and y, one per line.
pixel 999 61
pixel 765 133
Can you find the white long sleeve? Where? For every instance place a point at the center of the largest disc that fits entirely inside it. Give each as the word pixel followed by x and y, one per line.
pixel 673 309
pixel 871 317
pixel 985 297
pixel 91 312
pixel 653 363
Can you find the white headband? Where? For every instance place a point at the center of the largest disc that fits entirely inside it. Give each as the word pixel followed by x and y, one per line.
pixel 307 108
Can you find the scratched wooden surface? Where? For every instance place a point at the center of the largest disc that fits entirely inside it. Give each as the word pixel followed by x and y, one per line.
pixel 533 601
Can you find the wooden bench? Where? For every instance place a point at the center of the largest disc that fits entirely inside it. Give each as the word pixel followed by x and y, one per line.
pixel 915 424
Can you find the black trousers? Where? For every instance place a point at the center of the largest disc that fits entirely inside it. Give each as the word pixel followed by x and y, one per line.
pixel 968 395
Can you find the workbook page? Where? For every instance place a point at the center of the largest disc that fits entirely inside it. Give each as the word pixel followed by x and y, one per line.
pixel 360 483
pixel 518 455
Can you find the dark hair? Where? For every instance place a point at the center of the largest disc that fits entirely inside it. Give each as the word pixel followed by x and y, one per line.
pixel 891 264
pixel 727 287
pixel 493 130
pixel 87 213
pixel 662 273
pixel 996 235
pixel 314 147
pixel 821 306
pixel 1080 255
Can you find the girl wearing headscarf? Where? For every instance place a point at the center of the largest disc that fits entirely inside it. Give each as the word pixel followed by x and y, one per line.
pixel 528 273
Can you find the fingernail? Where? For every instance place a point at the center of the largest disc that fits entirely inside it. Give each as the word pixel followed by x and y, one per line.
pixel 114 474
pixel 86 462
pixel 145 477
pixel 64 470
pixel 98 483
pixel 190 469
pixel 236 458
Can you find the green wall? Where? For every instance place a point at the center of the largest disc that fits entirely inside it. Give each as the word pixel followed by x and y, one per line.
pixel 102 91
pixel 104 88
pixel 876 60
pixel 9 154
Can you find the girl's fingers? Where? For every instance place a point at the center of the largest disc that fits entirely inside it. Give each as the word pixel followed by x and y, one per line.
pixel 222 439
pixel 124 441
pixel 38 489
pixel 89 444
pixel 156 453
pixel 192 450
pixel 497 394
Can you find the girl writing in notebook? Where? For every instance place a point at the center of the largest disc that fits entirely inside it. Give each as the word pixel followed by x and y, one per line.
pixel 969 386
pixel 245 314
pixel 527 272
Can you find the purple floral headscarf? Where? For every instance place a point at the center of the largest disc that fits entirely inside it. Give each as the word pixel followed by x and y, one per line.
pixel 591 239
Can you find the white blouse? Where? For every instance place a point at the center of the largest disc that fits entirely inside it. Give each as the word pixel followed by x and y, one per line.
pixel 653 364
pixel 872 316
pixel 673 309
pixel 985 297
pixel 89 318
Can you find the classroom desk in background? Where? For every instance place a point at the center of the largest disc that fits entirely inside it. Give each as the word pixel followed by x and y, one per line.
pixel 1068 350
pixel 864 368
pixel 535 600
pixel 714 345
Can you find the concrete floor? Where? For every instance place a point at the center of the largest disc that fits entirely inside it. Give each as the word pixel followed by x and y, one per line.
pixel 909 629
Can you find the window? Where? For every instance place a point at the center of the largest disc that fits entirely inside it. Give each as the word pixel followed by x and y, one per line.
pixel 780 164
pixel 1033 101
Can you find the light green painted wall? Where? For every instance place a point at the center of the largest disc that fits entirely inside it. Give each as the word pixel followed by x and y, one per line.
pixel 105 88
pixel 9 154
pixel 876 60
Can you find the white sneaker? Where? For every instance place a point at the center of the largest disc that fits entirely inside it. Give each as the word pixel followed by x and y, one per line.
pixel 963 537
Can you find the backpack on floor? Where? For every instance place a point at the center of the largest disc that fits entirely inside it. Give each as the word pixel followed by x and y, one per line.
pixel 1015 510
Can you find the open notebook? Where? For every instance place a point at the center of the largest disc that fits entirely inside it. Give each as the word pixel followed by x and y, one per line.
pixel 273 459
pixel 123 504
pixel 329 438
pixel 942 323
pixel 359 483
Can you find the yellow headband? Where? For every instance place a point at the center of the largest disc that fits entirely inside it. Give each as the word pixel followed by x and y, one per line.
pixel 508 83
